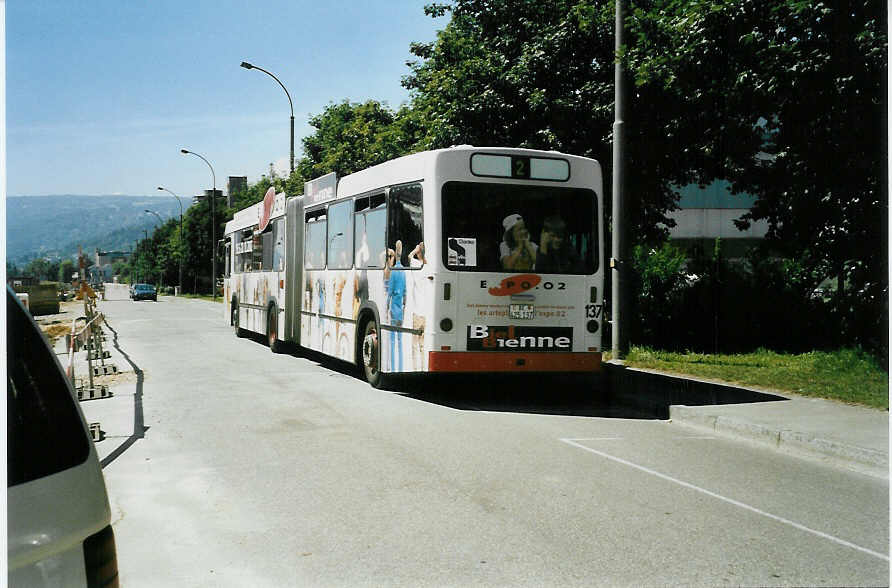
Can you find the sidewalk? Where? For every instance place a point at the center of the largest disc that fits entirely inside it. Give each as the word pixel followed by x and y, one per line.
pixel 855 436
pixel 851 436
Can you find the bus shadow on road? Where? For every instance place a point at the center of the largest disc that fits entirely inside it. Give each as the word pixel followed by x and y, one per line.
pixel 564 395
pixel 525 394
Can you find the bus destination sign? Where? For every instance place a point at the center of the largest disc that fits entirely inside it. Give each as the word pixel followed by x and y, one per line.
pixel 321 189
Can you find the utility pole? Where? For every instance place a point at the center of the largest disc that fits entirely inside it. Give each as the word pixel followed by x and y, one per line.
pixel 619 261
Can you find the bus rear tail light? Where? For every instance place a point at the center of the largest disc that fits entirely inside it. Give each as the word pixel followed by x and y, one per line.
pixel 446 324
pixel 447 291
pixel 100 559
pixel 594 299
pixel 592 326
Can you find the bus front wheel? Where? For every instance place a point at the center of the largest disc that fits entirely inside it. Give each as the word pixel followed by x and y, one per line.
pixel 371 355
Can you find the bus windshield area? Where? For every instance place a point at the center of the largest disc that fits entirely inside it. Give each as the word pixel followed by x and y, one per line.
pixel 490 227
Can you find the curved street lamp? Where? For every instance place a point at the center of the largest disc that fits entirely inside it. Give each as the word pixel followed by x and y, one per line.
pixel 180 253
pixel 160 220
pixel 247 65
pixel 213 223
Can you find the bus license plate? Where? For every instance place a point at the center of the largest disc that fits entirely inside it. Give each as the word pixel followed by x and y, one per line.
pixel 521 311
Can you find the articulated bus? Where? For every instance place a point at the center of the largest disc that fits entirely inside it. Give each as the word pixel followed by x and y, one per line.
pixel 464 259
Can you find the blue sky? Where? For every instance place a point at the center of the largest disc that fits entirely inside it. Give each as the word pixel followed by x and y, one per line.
pixel 101 95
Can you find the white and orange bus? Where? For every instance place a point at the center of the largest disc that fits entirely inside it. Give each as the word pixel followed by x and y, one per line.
pixel 465 259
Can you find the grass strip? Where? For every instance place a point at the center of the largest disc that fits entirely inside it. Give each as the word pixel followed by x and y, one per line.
pixel 847 375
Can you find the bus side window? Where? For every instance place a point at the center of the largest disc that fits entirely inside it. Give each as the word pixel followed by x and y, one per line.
pixel 243 250
pixel 369 232
pixel 314 250
pixel 257 256
pixel 405 220
pixel 340 235
pixel 279 247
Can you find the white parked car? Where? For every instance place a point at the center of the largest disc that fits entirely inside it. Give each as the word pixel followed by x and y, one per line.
pixel 58 516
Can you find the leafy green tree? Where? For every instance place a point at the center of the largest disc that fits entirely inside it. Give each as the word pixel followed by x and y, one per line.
pixel 42 269
pixel 785 100
pixel 122 270
pixel 353 136
pixel 790 105
pixel 66 269
pixel 540 75
pixel 198 247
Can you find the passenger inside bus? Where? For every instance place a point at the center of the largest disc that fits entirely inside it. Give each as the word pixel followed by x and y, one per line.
pixel 517 252
pixel 556 254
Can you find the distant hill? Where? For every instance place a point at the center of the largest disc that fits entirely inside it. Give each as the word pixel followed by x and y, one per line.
pixel 54 226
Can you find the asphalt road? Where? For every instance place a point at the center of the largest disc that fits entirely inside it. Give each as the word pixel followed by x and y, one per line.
pixel 227 465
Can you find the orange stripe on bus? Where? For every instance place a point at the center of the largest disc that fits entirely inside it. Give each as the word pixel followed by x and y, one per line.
pixel 491 361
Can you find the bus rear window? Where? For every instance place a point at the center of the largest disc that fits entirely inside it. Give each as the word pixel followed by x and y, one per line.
pixel 516 228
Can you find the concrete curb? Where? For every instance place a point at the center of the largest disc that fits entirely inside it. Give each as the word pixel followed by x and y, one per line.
pixel 784 439
pixel 657 391
pixel 692 402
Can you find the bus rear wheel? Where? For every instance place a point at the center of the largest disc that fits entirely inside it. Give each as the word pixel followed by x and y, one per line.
pixel 239 332
pixel 371 354
pixel 272 331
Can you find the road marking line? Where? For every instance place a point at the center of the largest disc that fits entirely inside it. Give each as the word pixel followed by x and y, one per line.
pixel 737 503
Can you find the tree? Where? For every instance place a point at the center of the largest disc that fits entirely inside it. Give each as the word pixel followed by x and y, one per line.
pixel 66 269
pixel 198 247
pixel 790 101
pixel 353 136
pixel 43 269
pixel 122 270
pixel 540 75
pixel 782 99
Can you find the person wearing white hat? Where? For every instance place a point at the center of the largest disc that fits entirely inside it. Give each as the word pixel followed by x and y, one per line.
pixel 517 252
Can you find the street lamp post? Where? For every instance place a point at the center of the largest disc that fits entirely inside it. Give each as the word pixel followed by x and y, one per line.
pixel 213 223
pixel 619 262
pixel 158 216
pixel 180 252
pixel 247 65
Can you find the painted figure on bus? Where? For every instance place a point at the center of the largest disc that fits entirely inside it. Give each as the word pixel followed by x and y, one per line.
pixel 556 254
pixel 321 323
pixel 419 290
pixel 395 287
pixel 339 337
pixel 361 280
pixel 517 252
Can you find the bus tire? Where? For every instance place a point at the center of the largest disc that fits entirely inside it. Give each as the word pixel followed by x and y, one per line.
pixel 239 332
pixel 370 354
pixel 272 330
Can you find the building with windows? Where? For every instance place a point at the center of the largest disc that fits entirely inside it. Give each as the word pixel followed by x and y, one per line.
pixel 708 213
pixel 102 269
pixel 235 185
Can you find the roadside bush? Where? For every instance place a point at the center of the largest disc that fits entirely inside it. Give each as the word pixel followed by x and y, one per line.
pixel 709 304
